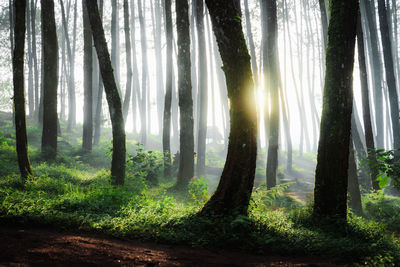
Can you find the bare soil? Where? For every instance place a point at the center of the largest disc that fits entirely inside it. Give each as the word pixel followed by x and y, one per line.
pixel 21 246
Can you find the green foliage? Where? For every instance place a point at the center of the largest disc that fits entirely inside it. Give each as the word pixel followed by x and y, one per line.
pixel 198 190
pixel 146 164
pixel 386 165
pixel 262 199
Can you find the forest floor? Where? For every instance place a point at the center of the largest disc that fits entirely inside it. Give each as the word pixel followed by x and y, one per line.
pixel 21 246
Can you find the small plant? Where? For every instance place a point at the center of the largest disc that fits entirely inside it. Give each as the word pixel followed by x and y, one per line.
pixel 198 190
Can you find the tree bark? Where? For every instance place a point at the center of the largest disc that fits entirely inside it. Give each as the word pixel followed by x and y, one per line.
pixel 112 95
pixel 273 73
pixel 331 178
pixel 19 92
pixel 186 140
pixel 87 83
pixel 354 187
pixel 234 189
pixel 143 100
pixel 50 80
pixel 115 42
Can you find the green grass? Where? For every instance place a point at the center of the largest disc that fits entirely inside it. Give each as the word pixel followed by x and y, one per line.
pixel 73 193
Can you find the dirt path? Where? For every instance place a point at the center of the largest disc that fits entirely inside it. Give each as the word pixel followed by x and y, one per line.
pixel 48 247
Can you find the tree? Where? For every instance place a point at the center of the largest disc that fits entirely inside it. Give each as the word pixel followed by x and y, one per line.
pixel 166 138
pixel 88 83
pixel 330 193
pixel 186 140
pixel 112 95
pixel 19 92
pixel 50 80
pixel 202 88
pixel 234 189
pixel 272 76
pixel 128 90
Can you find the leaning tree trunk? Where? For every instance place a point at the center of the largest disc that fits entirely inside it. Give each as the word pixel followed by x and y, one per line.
pixel 369 136
pixel 166 138
pixel 50 80
pixel 186 160
pixel 19 92
pixel 112 95
pixel 202 89
pixel 87 83
pixel 234 190
pixel 330 193
pixel 390 78
pixel 272 71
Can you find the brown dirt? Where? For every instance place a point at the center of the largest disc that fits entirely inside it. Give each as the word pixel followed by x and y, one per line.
pixel 48 247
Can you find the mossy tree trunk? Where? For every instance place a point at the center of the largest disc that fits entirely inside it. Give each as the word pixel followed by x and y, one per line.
pixel 19 91
pixel 330 193
pixel 186 140
pixel 50 80
pixel 112 95
pixel 234 190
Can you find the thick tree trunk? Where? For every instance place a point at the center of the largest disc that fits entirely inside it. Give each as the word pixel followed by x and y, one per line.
pixel 271 51
pixel 390 78
pixel 87 83
pixel 369 136
pixel 234 190
pixel 128 90
pixel 202 88
pixel 50 80
pixel 186 160
pixel 113 99
pixel 330 193
pixel 166 138
pixel 19 92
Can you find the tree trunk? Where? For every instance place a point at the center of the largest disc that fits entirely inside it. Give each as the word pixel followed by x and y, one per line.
pixel 50 80
pixel 369 136
pixel 115 42
pixel 87 83
pixel 202 89
pixel 166 139
pixel 234 190
pixel 390 78
pixel 128 90
pixel 324 21
pixel 143 100
pixel 34 54
pixel 19 92
pixel 113 99
pixel 354 187
pixel 271 51
pixel 135 71
pixel 330 193
pixel 31 97
pixel 186 161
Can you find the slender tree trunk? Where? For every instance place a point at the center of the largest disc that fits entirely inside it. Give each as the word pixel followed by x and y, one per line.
pixel 113 99
pixel 252 48
pixel 271 51
pixel 369 136
pixel 135 71
pixel 202 89
pixel 186 160
pixel 11 15
pixel 115 41
pixel 34 54
pixel 168 92
pixel 31 96
pixel 99 101
pixel 390 78
pixel 324 21
pixel 331 178
pixel 50 80
pixel 233 193
pixel 128 90
pixel 143 100
pixel 88 82
pixel 19 92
